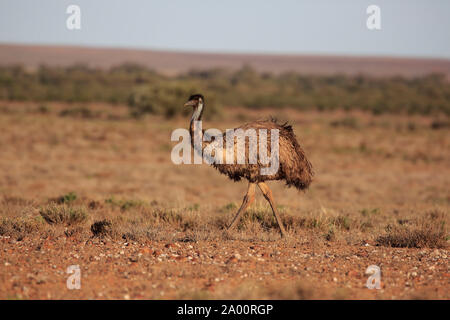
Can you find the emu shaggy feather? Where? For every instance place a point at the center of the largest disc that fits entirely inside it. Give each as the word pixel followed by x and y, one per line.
pixel 294 167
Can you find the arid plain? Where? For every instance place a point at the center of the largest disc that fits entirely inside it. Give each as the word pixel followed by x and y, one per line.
pixel 98 189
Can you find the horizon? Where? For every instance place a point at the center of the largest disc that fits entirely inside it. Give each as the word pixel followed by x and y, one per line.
pixel 228 53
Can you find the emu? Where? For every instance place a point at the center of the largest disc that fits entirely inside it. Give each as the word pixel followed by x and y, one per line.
pixel 294 168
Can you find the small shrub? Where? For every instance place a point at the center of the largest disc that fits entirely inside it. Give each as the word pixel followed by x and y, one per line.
pixel 428 232
pixel 167 215
pixel 124 204
pixel 67 198
pixel 369 212
pixel 440 124
pixel 102 228
pixel 342 222
pixel 93 205
pixel 18 227
pixel 62 214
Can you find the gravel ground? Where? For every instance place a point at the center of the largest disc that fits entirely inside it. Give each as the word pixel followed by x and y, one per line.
pixel 37 269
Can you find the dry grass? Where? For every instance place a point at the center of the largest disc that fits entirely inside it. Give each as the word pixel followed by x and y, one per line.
pixel 94 169
pixel 19 227
pixel 63 214
pixel 143 221
pixel 430 232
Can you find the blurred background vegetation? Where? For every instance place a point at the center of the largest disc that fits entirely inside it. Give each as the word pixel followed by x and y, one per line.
pixel 146 91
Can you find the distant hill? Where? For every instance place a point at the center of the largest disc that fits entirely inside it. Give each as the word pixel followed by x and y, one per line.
pixel 173 62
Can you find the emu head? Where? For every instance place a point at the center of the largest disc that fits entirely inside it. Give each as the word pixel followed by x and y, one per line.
pixel 196 101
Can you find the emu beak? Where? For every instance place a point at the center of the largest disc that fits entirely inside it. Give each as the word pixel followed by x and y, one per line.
pixel 190 103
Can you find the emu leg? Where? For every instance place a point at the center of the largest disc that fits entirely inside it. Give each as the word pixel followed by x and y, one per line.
pixel 269 197
pixel 248 199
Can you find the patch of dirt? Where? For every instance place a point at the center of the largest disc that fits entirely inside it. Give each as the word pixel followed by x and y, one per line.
pixel 36 269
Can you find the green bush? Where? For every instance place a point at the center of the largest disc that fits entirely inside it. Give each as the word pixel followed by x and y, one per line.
pixel 147 92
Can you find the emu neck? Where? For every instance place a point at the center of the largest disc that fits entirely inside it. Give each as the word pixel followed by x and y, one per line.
pixel 194 128
pixel 197 114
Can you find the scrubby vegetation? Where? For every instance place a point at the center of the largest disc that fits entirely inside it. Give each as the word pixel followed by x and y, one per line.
pixel 429 231
pixel 146 91
pixel 137 220
pixel 63 214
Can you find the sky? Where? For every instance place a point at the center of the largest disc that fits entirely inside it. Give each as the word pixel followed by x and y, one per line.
pixel 416 28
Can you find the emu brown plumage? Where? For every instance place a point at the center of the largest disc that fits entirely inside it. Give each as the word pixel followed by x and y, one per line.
pixel 294 167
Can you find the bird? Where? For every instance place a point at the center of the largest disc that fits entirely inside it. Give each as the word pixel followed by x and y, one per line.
pixel 294 167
